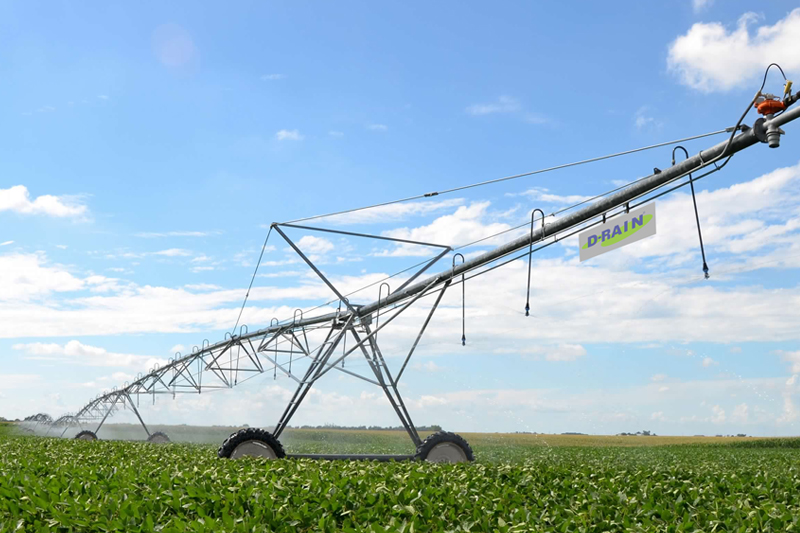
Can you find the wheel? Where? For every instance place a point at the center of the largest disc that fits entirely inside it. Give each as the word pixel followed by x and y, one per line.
pixel 251 442
pixel 444 447
pixel 159 437
pixel 86 435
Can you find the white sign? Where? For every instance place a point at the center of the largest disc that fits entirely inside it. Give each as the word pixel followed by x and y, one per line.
pixel 618 232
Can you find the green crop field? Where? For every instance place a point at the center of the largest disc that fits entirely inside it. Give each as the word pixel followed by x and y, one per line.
pixel 519 483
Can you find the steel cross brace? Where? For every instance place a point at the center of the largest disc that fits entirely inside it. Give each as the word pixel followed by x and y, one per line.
pixel 313 372
pixel 108 412
pixel 136 411
pixel 320 366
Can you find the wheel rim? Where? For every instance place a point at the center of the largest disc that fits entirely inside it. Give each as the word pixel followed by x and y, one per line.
pixel 159 439
pixel 446 452
pixel 253 448
pixel 86 437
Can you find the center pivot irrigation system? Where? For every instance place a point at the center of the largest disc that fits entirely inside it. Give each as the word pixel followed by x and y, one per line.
pixel 285 347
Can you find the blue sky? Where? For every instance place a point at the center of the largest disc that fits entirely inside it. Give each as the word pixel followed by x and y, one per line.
pixel 146 148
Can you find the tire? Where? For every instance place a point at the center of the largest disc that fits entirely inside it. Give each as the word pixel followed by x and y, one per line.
pixel 251 442
pixel 445 447
pixel 86 435
pixel 159 437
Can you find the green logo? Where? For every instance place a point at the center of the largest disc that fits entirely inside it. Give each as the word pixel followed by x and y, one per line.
pixel 609 237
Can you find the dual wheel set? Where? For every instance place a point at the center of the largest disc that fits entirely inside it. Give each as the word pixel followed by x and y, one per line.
pixel 158 437
pixel 441 447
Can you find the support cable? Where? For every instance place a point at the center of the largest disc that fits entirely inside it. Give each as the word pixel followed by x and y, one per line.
pixel 247 295
pixel 507 178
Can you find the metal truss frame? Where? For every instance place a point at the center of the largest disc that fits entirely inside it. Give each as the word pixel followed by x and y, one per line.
pixel 243 355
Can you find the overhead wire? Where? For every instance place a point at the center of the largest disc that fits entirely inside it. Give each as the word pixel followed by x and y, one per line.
pixel 506 178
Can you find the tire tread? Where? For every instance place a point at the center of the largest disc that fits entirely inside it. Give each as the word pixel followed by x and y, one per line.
pixel 230 444
pixel 443 436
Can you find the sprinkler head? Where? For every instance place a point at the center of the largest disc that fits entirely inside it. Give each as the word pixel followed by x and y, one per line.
pixel 705 271
pixel 463 340
pixel 527 309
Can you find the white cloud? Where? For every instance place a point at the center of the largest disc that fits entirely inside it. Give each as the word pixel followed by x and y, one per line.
pixel 565 352
pixel 174 252
pixel 740 414
pixel 177 234
pixel 429 366
pixel 82 354
pixel 642 119
pixel 711 57
pixel 289 135
pixel 718 416
pixel 658 416
pixel 378 127
pixel 701 5
pixel 466 225
pixel 394 212
pixel 177 348
pixel 315 245
pixel 17 199
pixel 707 362
pixel 334 133
pixel 793 358
pixel 25 276
pixel 202 287
pixel 273 77
pixel 544 195
pixel 658 377
pixel 504 104
pixel 6 243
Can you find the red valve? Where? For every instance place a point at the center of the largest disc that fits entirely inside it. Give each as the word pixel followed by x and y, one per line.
pixel 770 107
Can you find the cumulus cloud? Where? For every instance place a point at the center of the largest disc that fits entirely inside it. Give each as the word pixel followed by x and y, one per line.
pixel 289 135
pixel 394 212
pixel 378 127
pixel 151 235
pixel 543 194
pixel 27 276
pixel 707 362
pixel 466 224
pixel 504 104
pixel 315 245
pixel 174 252
pixel 83 354
pixel 17 199
pixel 740 414
pixel 711 57
pixel 565 352
pixel 793 358
pixel 701 5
